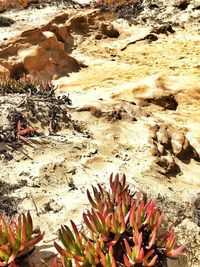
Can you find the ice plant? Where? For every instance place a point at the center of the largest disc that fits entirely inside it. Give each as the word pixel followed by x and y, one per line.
pixel 26 85
pixel 121 228
pixel 16 238
pixel 23 131
pixel 168 241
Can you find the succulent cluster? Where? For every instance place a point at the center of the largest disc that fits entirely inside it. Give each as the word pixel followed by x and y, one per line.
pixel 26 85
pixel 16 238
pixel 121 229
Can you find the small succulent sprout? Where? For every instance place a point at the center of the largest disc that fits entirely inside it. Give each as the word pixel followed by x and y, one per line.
pixel 136 254
pixel 107 260
pixel 118 188
pixel 21 132
pixel 168 242
pixel 118 221
pixel 99 198
pixel 74 244
pixel 150 262
pixel 16 238
pixel 91 252
pixel 143 213
pixel 96 221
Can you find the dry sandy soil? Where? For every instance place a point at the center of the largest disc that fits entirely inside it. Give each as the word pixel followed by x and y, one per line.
pixel 135 110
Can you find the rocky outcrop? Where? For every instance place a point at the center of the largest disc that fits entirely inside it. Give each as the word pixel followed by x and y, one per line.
pixel 58 27
pixel 167 143
pixel 152 90
pixel 167 92
pixel 37 53
pixel 166 138
pixel 43 52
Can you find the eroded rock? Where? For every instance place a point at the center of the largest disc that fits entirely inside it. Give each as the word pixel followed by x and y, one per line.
pixel 153 90
pixel 43 52
pixel 37 53
pixel 115 111
pixel 168 143
pixel 109 30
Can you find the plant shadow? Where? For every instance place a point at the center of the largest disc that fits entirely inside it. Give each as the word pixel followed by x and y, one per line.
pixel 42 256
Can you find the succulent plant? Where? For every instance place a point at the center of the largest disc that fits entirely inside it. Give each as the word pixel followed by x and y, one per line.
pixel 16 238
pixel 121 229
pixel 26 85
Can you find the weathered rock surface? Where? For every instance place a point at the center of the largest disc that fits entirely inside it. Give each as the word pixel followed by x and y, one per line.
pixel 42 52
pixel 38 53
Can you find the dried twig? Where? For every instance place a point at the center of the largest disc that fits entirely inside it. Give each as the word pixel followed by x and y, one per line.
pixel 36 209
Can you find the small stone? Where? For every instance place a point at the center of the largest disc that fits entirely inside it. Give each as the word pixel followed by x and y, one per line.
pixel 98 36
pixel 181 261
pixel 109 30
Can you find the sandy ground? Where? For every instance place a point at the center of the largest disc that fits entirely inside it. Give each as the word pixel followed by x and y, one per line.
pixel 59 168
